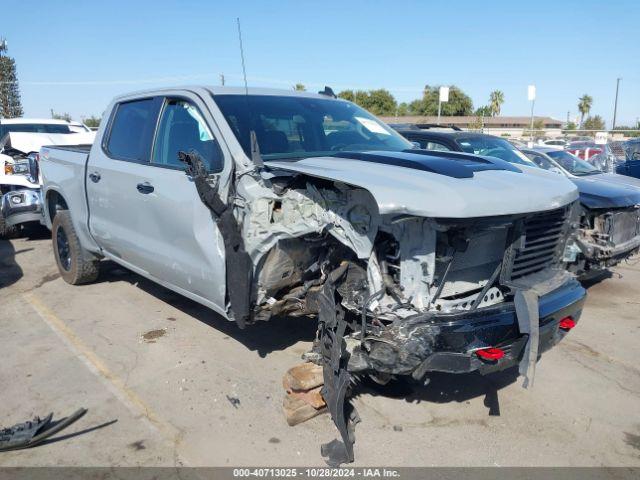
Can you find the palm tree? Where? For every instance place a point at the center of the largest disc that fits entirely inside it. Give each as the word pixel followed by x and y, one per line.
pixel 584 105
pixel 496 99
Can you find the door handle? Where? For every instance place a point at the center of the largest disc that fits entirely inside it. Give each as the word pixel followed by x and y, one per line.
pixel 95 177
pixel 145 187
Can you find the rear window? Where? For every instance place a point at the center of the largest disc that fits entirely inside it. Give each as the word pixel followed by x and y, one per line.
pixel 132 130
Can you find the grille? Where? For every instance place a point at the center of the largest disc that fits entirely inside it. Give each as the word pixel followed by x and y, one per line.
pixel 544 234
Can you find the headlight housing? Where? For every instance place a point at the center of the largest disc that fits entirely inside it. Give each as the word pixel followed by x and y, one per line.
pixel 18 167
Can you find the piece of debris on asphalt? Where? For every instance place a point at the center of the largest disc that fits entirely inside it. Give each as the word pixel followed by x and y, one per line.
pixel 235 401
pixel 152 335
pixel 31 433
pixel 302 399
pixel 397 428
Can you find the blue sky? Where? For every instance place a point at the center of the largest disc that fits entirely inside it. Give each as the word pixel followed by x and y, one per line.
pixel 75 56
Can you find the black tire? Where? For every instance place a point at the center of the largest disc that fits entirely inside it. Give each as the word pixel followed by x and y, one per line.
pixel 7 232
pixel 76 265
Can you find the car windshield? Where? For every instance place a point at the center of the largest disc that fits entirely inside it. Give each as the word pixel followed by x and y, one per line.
pixel 494 147
pixel 572 163
pixel 294 127
pixel 34 128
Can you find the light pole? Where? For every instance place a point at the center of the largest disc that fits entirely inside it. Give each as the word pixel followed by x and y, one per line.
pixel 531 95
pixel 615 104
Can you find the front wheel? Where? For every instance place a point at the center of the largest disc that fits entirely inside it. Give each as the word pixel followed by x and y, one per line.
pixel 76 265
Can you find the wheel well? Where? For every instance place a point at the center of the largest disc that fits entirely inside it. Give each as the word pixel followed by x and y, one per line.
pixel 55 202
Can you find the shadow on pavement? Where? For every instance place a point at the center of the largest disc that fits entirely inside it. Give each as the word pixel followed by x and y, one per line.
pixel 10 271
pixel 446 388
pixel 263 337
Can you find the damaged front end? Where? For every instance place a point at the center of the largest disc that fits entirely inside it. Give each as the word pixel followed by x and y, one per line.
pixel 394 294
pixel 605 238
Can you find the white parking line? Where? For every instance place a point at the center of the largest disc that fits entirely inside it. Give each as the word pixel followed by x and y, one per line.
pixel 114 383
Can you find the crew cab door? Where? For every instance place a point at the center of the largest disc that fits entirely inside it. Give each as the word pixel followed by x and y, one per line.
pixel 145 211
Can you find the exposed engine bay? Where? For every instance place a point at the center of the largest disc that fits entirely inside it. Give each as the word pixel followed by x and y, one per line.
pixel 605 238
pixel 380 285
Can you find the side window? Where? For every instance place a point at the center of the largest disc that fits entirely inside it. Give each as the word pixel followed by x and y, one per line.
pixel 437 146
pixel 182 128
pixel 132 130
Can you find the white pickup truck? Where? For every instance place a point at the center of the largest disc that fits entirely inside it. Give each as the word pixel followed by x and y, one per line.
pixel 261 203
pixel 20 142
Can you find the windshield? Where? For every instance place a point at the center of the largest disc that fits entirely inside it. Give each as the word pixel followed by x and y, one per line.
pixel 572 163
pixel 34 128
pixel 494 147
pixel 292 127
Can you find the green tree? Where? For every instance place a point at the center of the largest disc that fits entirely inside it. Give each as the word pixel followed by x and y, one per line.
pixel 496 99
pixel 571 126
pixel 484 111
pixel 347 95
pixel 584 106
pixel 403 109
pixel 10 104
pixel 459 102
pixel 594 123
pixel 477 123
pixel 92 121
pixel 378 102
pixel 60 116
pixel 299 87
pixel 381 102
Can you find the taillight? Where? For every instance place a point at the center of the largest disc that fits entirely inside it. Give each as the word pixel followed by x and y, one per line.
pixel 567 323
pixel 491 353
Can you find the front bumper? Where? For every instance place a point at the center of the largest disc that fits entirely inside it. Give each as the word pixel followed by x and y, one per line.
pixel 447 343
pixel 22 206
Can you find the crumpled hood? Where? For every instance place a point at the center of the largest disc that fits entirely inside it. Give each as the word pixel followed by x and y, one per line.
pixel 399 189
pixel 606 191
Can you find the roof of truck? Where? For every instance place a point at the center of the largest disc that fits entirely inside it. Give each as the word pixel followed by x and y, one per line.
pixel 217 90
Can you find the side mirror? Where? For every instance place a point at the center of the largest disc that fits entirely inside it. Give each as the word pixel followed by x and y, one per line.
pixel 556 170
pixel 635 156
pixel 416 145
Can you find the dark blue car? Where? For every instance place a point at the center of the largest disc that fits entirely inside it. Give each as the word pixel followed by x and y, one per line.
pixel 631 165
pixel 610 216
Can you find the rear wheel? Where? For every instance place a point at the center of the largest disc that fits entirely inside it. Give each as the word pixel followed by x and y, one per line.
pixel 76 265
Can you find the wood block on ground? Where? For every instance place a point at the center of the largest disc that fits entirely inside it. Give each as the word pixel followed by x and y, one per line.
pixel 297 410
pixel 312 397
pixel 303 377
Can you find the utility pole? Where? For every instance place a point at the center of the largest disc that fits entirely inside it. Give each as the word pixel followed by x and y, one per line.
pixel 615 105
pixel 222 79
